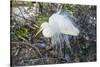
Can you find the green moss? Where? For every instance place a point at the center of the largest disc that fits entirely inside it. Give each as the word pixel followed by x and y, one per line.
pixel 22 32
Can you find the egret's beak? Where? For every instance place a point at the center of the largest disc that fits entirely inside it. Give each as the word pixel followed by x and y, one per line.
pixel 38 32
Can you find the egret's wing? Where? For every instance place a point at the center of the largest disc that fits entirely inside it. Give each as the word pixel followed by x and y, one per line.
pixel 72 19
pixel 63 23
pixel 70 30
pixel 67 26
pixel 70 25
pixel 69 15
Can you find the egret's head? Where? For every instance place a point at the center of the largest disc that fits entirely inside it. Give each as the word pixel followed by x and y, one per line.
pixel 42 27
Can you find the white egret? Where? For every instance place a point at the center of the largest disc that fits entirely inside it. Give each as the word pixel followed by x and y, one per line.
pixel 60 25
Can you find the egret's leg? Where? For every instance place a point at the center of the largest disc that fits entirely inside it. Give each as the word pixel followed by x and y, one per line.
pixel 67 43
pixel 54 45
pixel 60 50
pixel 60 46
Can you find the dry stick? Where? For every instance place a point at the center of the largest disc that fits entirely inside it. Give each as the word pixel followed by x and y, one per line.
pixel 17 52
pixel 22 17
pixel 25 19
pixel 22 14
pixel 27 13
pixel 22 38
pixel 29 16
pixel 30 45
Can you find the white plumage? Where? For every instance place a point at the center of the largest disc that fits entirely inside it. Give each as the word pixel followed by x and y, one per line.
pixel 59 23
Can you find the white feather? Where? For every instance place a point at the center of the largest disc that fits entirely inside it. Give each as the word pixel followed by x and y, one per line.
pixel 59 24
